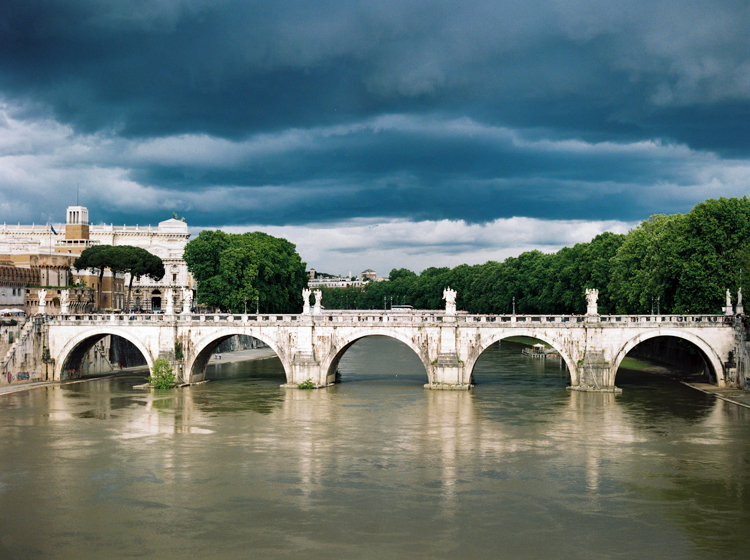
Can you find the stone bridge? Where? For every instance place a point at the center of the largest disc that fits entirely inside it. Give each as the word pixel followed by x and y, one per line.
pixel 449 344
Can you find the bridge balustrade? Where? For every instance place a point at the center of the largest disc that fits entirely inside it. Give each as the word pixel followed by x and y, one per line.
pixel 382 317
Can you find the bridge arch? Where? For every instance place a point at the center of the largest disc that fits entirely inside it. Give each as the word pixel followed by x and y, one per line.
pixel 330 363
pixel 74 349
pixel 195 367
pixel 485 343
pixel 708 352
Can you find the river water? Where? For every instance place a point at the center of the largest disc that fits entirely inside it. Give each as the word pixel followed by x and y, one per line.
pixel 375 467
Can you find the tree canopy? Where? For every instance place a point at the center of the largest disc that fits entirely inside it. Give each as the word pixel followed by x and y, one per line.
pixel 685 262
pixel 232 269
pixel 135 261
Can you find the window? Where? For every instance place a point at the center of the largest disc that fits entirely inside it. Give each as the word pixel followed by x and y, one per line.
pixel 174 278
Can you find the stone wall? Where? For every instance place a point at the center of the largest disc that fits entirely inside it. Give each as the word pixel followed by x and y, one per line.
pixel 23 361
pixel 673 351
pixel 742 354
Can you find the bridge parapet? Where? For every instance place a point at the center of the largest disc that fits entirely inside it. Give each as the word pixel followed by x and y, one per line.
pixel 424 318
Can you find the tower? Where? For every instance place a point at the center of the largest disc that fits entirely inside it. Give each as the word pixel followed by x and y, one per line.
pixel 77 223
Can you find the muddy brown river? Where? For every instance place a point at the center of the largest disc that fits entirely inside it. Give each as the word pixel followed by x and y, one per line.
pixel 375 467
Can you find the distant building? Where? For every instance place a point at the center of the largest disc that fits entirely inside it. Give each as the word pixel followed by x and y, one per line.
pixel 14 283
pixel 319 279
pixel 43 246
pixel 335 282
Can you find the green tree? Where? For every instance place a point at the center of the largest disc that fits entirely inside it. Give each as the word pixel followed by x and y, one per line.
pixel 95 258
pixel 137 262
pixel 687 260
pixel 162 376
pixel 120 258
pixel 716 236
pixel 401 273
pixel 234 268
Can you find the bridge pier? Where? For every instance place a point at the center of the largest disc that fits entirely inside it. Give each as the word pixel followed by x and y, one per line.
pixel 595 375
pixel 447 373
pixel 305 368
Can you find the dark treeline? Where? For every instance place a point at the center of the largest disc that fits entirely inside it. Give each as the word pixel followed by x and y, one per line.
pixel 681 262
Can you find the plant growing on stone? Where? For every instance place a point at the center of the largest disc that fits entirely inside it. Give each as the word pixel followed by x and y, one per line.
pixel 162 376
pixel 306 384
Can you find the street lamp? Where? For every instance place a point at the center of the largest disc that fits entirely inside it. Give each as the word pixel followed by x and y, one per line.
pixel 652 305
pixel 384 299
pixel 245 305
pixel 514 305
pixel 657 305
pixel 256 304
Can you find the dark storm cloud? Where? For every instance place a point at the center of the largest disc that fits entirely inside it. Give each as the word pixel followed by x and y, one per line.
pixel 235 67
pixel 428 169
pixel 287 112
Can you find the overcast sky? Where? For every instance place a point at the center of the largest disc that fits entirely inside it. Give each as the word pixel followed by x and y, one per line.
pixel 375 134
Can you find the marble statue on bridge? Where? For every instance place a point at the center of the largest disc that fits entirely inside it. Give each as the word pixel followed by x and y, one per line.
pixel 306 301
pixel 592 298
pixel 450 301
pixel 317 310
pixel 170 302
pixel 43 301
pixel 65 302
pixel 187 300
pixel 728 310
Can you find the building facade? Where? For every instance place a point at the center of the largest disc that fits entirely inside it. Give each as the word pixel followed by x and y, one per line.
pixel 53 247
pixel 14 283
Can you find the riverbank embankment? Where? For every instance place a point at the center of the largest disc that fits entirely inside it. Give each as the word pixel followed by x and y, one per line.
pixel 242 355
pixel 231 357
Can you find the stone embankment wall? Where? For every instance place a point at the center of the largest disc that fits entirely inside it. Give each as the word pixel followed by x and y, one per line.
pixel 742 353
pixel 23 359
pixel 124 353
pixel 673 351
pixel 239 342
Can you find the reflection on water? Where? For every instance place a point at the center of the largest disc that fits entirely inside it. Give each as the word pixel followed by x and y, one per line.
pixel 375 467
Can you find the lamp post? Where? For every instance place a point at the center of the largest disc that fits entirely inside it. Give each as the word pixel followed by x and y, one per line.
pixel 652 305
pixel 256 304
pixel 245 305
pixel 514 305
pixel 383 303
pixel 657 305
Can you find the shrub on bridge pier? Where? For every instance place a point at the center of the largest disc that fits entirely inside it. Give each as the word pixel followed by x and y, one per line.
pixel 162 375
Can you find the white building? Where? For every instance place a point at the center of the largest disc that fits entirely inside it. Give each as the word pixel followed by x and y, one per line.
pixel 166 240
